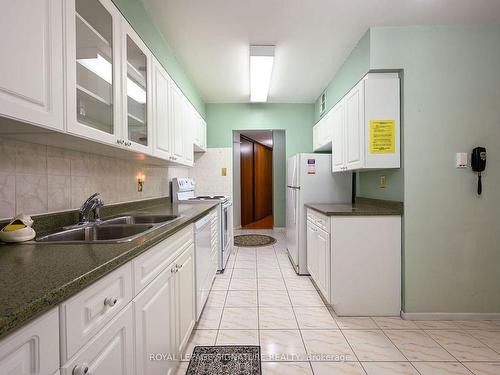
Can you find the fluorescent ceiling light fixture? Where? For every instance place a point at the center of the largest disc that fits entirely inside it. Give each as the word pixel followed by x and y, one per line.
pixel 103 69
pixel 261 68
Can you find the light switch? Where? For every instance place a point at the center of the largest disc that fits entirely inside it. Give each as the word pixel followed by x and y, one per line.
pixel 461 160
pixel 223 172
pixel 382 181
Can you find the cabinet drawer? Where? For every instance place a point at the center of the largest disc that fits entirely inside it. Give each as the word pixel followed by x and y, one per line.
pixel 318 219
pixel 85 314
pixel 110 351
pixel 35 346
pixel 150 264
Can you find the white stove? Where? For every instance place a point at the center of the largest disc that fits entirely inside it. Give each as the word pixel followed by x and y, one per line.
pixel 183 191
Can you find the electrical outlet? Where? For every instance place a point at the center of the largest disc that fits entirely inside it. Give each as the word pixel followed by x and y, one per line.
pixel 223 172
pixel 382 182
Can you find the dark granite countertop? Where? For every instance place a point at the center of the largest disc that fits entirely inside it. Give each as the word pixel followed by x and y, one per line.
pixel 36 277
pixel 362 207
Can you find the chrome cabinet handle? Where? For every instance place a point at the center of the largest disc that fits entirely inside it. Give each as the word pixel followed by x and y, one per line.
pixel 120 141
pixel 174 270
pixel 110 301
pixel 82 369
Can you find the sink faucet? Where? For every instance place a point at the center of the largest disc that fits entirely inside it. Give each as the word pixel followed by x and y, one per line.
pixel 92 204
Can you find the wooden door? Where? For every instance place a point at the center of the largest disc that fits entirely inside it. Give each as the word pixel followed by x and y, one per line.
pixel 247 180
pixel 263 189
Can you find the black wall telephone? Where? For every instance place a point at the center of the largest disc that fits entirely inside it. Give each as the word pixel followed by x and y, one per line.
pixel 478 164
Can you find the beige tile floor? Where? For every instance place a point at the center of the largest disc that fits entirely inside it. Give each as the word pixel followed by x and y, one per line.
pixel 259 300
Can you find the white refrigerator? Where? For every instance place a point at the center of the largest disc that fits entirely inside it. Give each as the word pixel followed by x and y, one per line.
pixel 310 180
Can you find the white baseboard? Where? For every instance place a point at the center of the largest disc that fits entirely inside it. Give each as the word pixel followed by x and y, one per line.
pixel 450 316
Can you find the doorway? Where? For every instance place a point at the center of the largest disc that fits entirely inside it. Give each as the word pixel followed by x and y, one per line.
pixel 256 179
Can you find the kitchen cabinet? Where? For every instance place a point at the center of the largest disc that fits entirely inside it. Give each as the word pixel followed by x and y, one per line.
pixel 111 351
pixel 318 256
pixel 173 120
pixel 376 98
pixel 137 107
pixel 338 129
pixel 177 120
pixel 34 349
pixel 188 132
pixel 356 262
pixel 111 92
pixel 185 297
pixel 165 308
pixel 162 108
pixel 31 83
pixel 322 134
pixel 200 134
pixel 93 70
pixel 86 313
pixel 154 323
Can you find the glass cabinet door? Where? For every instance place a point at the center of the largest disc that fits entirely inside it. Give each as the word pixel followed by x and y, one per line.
pixel 94 65
pixel 136 82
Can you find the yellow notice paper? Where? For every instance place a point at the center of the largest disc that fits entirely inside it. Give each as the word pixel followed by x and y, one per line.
pixel 382 136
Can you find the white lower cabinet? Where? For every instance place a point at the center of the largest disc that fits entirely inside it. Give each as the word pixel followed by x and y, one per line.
pixel 318 257
pixel 34 349
pixel 154 323
pixel 111 351
pixel 85 314
pixel 355 261
pixel 185 297
pixel 164 317
pixel 107 328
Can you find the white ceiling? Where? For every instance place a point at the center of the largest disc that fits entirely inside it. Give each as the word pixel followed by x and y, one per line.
pixel 313 37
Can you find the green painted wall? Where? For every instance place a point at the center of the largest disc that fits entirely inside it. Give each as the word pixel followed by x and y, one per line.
pixel 353 69
pixel 134 12
pixel 279 177
pixel 451 104
pixel 296 119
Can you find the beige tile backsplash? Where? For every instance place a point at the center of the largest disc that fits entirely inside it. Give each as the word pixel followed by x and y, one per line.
pixel 207 172
pixel 37 179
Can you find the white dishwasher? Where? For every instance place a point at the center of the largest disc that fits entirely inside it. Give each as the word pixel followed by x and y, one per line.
pixel 206 267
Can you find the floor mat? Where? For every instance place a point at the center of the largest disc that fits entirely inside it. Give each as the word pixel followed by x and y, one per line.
pixel 253 240
pixel 225 360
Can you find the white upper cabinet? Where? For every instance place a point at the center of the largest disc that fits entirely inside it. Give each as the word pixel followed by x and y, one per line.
pixel 354 128
pixel 338 144
pixel 93 82
pixel 136 83
pixel 31 83
pixel 111 92
pixel 174 119
pixel 177 119
pixel 162 108
pixel 188 132
pixel 366 125
pixel 200 134
pixel 322 134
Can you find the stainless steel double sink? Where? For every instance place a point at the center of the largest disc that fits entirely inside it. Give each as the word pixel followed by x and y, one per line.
pixel 114 230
